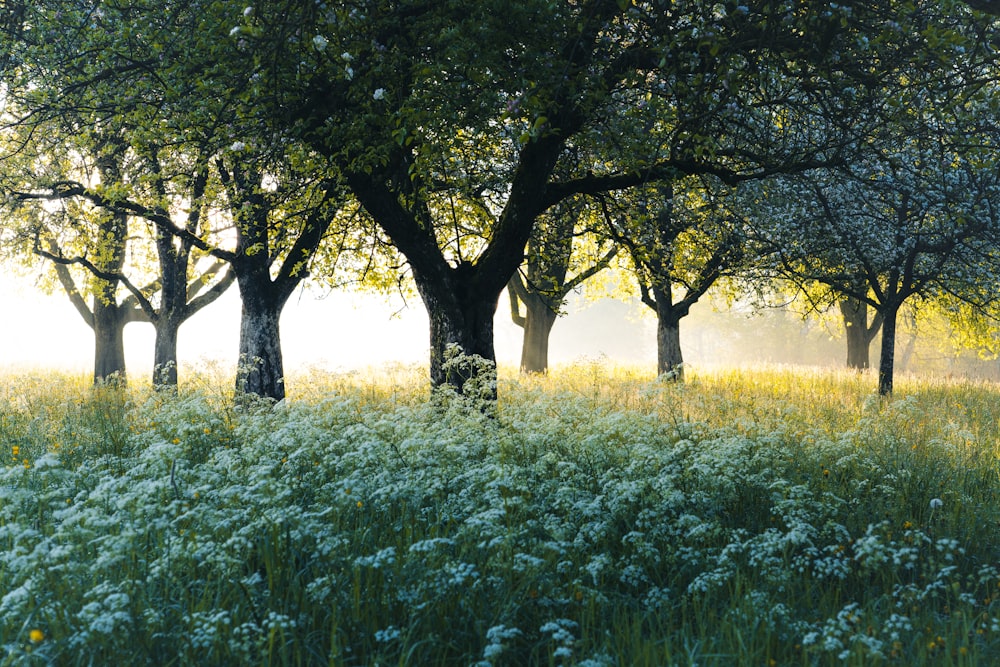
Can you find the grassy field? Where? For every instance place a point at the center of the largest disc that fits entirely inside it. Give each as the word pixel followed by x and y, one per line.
pixel 596 517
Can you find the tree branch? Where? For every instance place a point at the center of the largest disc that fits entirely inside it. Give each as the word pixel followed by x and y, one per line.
pixel 591 271
pixel 69 286
pixel 110 276
pixel 68 189
pixel 218 289
pixel 516 292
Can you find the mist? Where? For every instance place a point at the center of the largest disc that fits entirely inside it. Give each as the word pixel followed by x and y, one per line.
pixel 343 331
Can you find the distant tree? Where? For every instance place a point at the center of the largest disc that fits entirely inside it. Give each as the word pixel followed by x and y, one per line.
pixel 680 243
pixel 916 222
pixel 555 265
pixel 105 235
pixel 860 325
pixel 859 331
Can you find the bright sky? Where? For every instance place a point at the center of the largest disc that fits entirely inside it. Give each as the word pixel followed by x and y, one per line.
pixel 342 331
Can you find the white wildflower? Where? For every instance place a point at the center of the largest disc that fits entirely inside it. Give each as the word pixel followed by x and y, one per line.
pixel 378 94
pixel 238 146
pixel 387 635
pixel 346 56
pixel 498 636
pixel 320 42
pixel 235 31
pixel 936 503
pixel 247 11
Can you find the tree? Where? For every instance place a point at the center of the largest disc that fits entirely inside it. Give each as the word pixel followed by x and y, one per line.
pixel 915 222
pixel 60 146
pixel 858 331
pixel 680 244
pixel 44 225
pixel 546 280
pixel 911 213
pixel 259 212
pixel 853 314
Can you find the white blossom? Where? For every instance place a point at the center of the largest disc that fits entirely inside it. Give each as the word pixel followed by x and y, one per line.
pixel 320 42
pixel 379 94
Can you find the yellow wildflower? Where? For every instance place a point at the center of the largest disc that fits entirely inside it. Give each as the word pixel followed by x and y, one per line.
pixel 36 635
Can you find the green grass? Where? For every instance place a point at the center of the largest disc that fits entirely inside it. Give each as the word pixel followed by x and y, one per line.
pixel 596 517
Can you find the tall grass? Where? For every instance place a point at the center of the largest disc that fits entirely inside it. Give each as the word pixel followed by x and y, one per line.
pixel 596 517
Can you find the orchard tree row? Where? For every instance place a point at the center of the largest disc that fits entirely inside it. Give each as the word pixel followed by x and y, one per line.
pixel 157 152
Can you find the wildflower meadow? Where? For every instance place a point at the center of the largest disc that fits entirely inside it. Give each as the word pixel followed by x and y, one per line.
pixel 595 516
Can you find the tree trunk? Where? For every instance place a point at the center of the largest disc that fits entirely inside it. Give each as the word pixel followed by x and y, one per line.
pixel 669 359
pixel 463 319
pixel 538 321
pixel 109 342
pixel 261 369
pixel 165 353
pixel 887 358
pixel 855 315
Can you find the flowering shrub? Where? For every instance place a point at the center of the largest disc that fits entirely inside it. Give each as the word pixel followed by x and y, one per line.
pixel 590 519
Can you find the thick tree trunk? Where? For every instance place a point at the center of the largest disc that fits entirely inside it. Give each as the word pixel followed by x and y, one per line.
pixel 109 342
pixel 538 321
pixel 261 369
pixel 165 353
pixel 888 355
pixel 669 359
pixel 458 318
pixel 855 315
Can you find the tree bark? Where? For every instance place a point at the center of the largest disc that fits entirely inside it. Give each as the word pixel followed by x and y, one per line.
pixel 261 368
pixel 165 352
pixel 109 342
pixel 855 315
pixel 470 328
pixel 539 319
pixel 669 359
pixel 888 355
